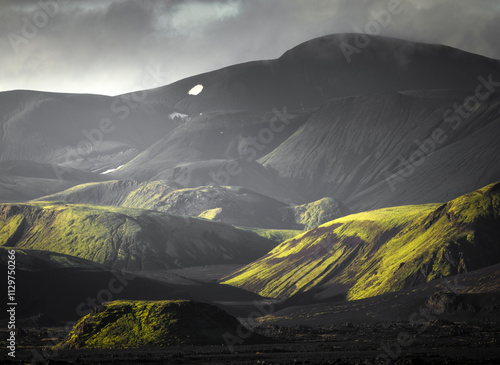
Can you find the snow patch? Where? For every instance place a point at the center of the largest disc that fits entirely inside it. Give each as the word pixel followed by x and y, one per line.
pixel 196 90
pixel 111 170
pixel 178 115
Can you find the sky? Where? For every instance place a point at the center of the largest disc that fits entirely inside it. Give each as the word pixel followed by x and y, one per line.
pixel 112 47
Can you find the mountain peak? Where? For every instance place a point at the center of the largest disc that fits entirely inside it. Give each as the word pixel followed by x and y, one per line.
pixel 331 66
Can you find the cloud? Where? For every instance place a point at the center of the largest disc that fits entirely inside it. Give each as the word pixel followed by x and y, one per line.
pixel 105 46
pixel 197 16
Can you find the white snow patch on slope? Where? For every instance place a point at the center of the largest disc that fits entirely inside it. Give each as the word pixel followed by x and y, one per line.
pixel 111 170
pixel 196 90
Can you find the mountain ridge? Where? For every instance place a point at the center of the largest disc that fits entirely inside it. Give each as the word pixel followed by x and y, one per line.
pixel 376 252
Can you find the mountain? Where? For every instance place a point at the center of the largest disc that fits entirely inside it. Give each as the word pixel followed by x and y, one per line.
pixel 377 110
pixel 228 204
pixel 125 238
pixel 26 180
pixel 381 251
pixel 135 324
pixel 125 193
pixel 90 132
pixel 377 114
pixel 387 149
pixel 219 148
pixel 322 69
pixel 314 214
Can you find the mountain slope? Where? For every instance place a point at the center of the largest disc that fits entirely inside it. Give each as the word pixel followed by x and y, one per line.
pixel 372 253
pixel 125 193
pixel 376 112
pixel 386 149
pixel 132 239
pixel 231 205
pixel 314 214
pixel 215 138
pixel 90 132
pixel 318 70
pixel 26 180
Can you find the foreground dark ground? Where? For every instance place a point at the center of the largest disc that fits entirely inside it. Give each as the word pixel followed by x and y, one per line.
pixel 438 342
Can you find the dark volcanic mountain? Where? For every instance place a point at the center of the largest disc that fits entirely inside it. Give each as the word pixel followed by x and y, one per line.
pixel 91 132
pixel 219 148
pixel 26 180
pixel 397 101
pixel 318 70
pixel 386 149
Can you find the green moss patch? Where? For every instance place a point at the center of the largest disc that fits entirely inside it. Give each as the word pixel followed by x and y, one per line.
pixel 134 324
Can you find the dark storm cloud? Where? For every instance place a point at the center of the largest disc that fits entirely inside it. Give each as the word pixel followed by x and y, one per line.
pixel 106 46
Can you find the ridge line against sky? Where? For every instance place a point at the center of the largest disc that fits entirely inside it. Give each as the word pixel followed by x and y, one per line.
pixel 108 46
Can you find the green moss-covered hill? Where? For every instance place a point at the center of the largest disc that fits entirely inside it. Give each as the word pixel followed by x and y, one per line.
pixel 228 204
pixel 316 213
pixel 380 251
pixel 124 193
pixel 133 324
pixel 132 239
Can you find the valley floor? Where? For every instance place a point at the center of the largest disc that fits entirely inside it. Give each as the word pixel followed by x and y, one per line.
pixel 440 342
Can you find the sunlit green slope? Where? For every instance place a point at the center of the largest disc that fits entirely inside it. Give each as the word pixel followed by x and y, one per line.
pixel 376 252
pixel 227 204
pixel 133 324
pixel 133 239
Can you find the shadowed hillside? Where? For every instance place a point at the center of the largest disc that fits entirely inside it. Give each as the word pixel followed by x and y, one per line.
pixel 26 180
pixel 318 70
pixel 223 135
pixel 380 150
pixel 58 288
pixel 90 132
